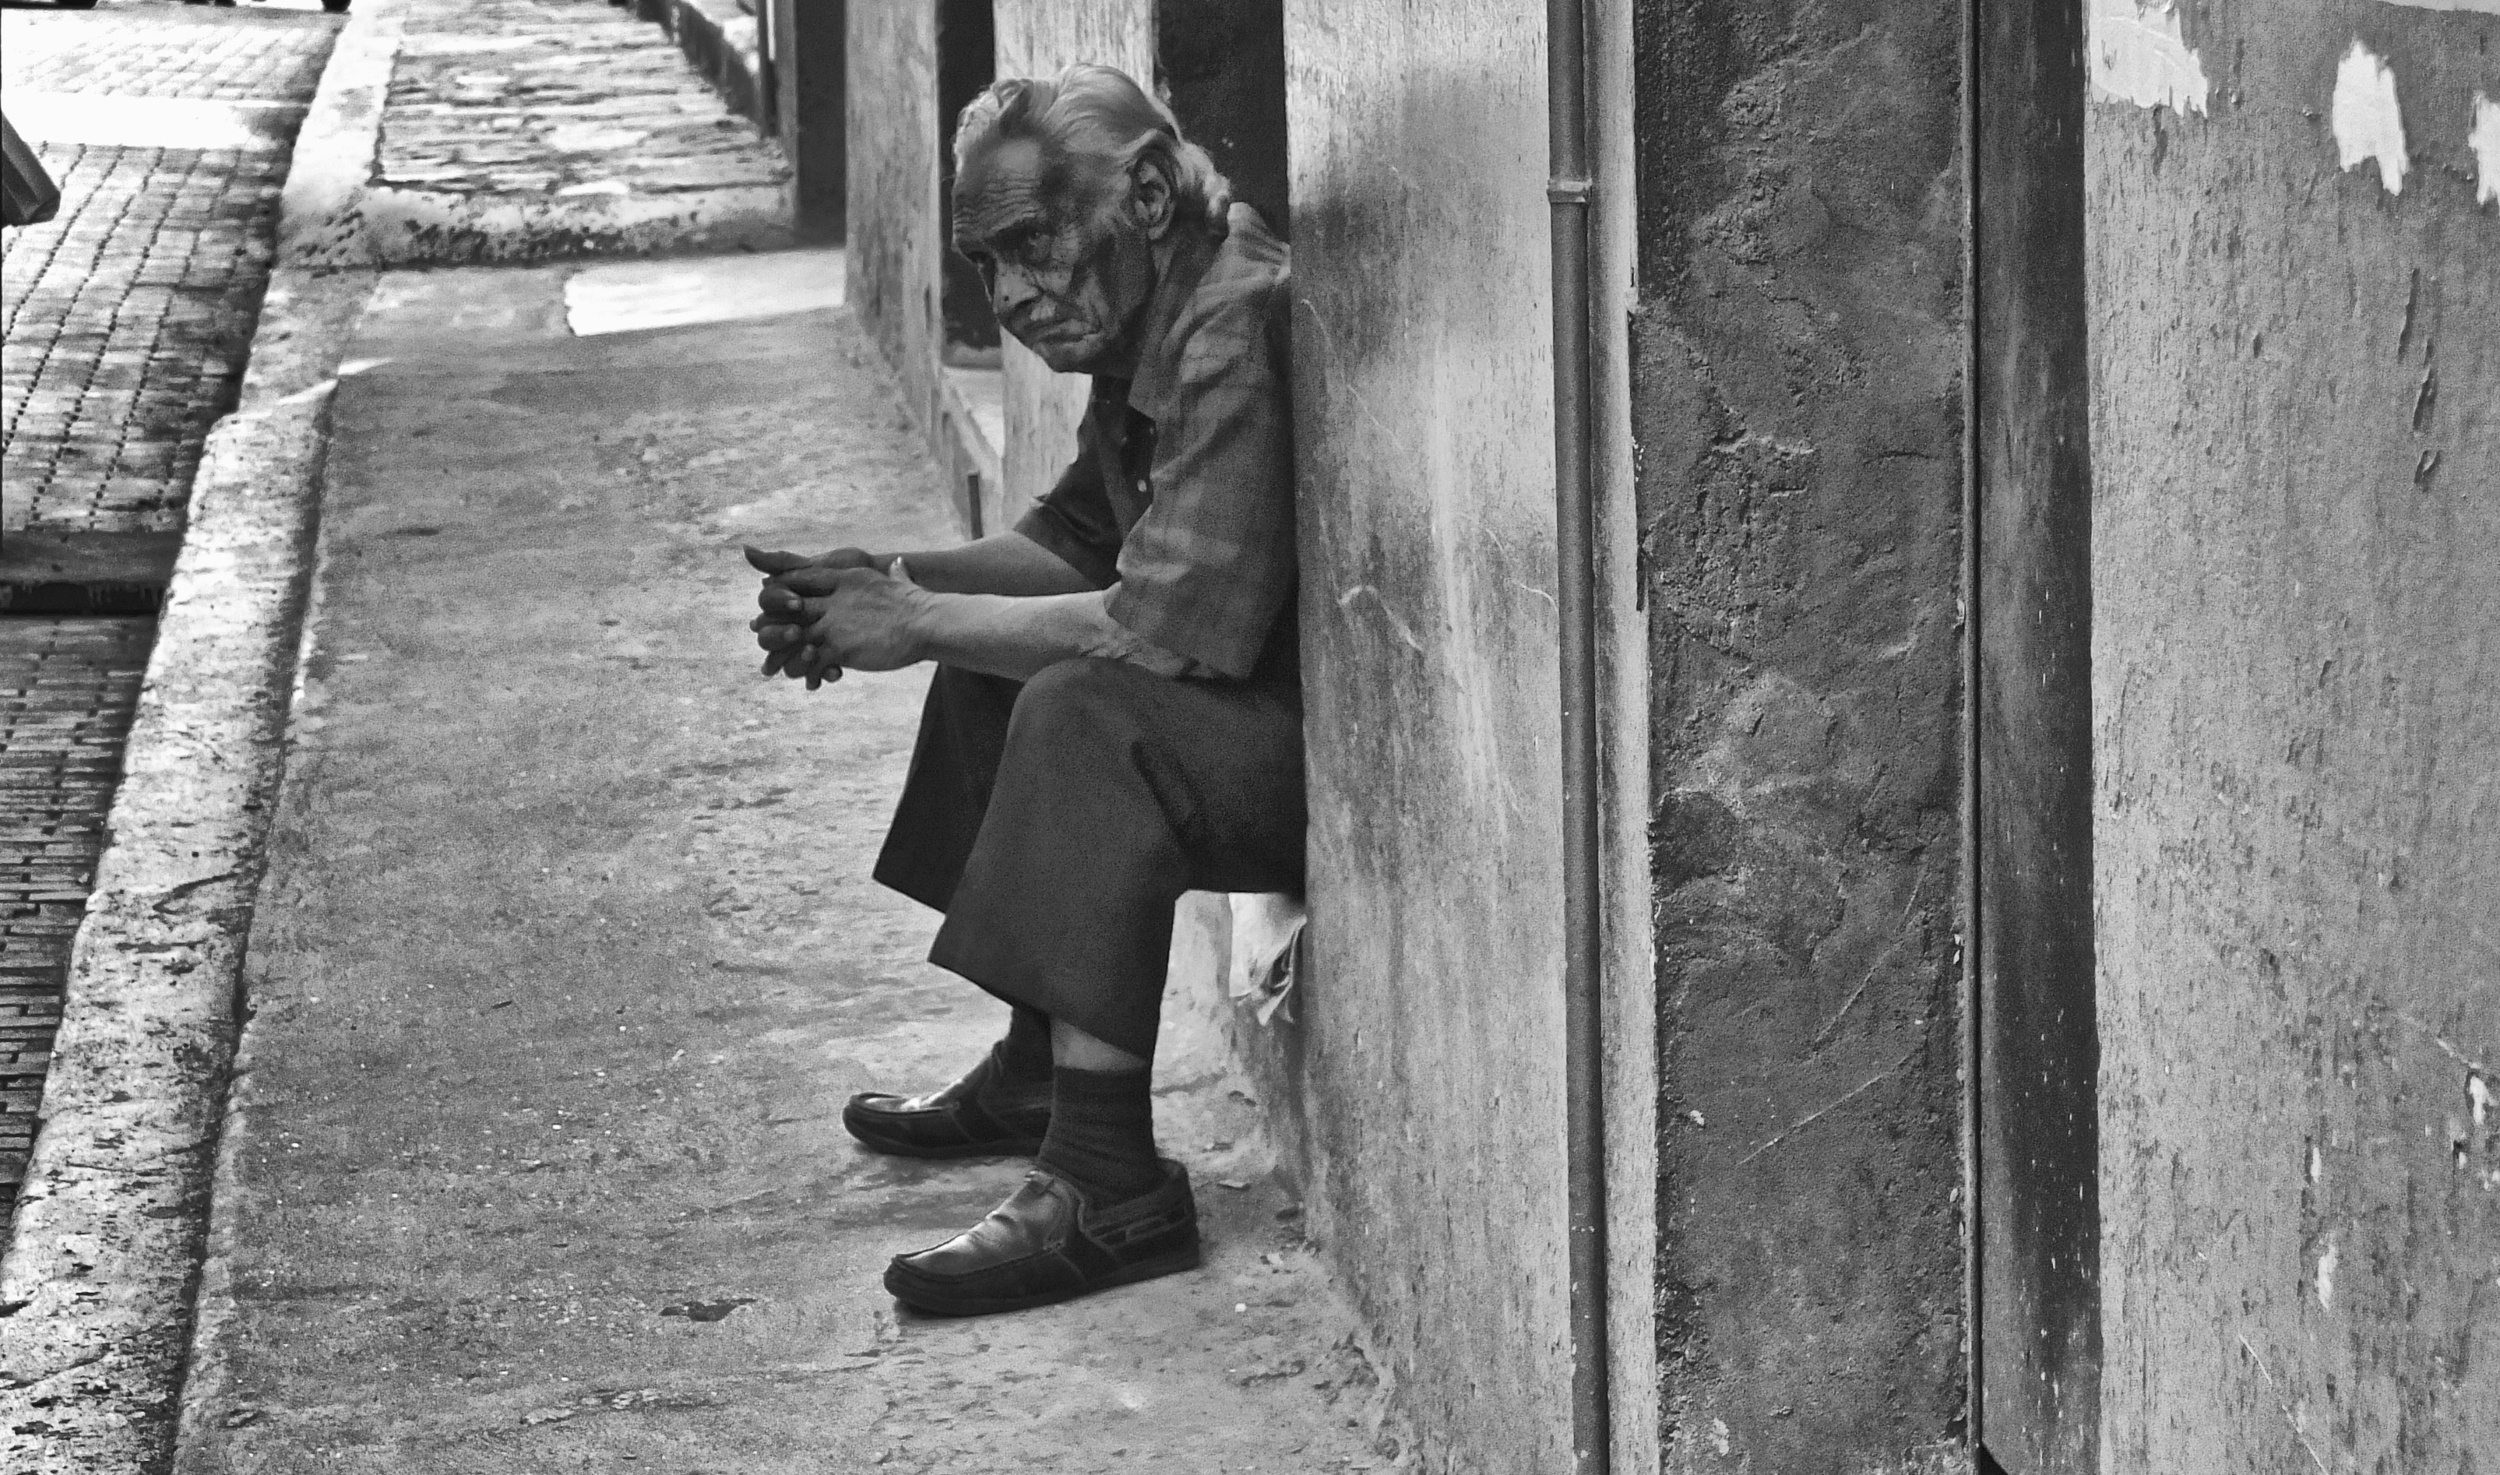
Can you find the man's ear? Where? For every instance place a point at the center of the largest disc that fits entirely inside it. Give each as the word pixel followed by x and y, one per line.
pixel 1151 201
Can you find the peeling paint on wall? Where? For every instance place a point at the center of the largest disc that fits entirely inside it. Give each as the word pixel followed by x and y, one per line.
pixel 2294 982
pixel 2140 55
pixel 2366 122
pixel 2483 137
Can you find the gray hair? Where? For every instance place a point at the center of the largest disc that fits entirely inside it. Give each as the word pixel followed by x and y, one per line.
pixel 1095 121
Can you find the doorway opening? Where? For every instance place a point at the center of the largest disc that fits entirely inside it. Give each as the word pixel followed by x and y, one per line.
pixel 967 62
pixel 1220 67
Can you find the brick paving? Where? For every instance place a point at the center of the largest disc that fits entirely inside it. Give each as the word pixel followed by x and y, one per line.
pixel 173 51
pixel 546 97
pixel 68 687
pixel 128 316
pixel 128 319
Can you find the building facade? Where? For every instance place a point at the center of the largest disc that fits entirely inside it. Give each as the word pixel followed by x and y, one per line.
pixel 2046 629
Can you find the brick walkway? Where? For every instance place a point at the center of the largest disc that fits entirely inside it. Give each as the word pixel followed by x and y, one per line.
pixel 128 317
pixel 127 321
pixel 159 50
pixel 550 97
pixel 67 690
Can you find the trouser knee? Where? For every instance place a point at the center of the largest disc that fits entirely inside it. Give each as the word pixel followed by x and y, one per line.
pixel 1073 701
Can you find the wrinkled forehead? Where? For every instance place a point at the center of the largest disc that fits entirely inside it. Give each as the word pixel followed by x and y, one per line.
pixel 1012 184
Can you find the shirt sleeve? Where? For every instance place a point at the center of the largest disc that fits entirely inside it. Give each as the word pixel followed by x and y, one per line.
pixel 1075 519
pixel 1210 565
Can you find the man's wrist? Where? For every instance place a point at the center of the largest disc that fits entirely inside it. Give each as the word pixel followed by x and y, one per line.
pixel 923 612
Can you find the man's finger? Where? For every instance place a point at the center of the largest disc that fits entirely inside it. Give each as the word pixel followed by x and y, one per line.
pixel 778 600
pixel 774 562
pixel 811 582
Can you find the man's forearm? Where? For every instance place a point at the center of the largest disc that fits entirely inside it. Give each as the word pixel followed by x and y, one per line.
pixel 1019 637
pixel 1002 563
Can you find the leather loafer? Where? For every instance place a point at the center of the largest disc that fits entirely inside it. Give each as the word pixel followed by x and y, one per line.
pixel 974 1117
pixel 1047 1243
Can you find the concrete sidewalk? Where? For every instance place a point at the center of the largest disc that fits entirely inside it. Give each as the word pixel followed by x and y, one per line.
pixel 566 959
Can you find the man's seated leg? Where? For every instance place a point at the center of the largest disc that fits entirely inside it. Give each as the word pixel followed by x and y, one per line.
pixel 1002 1105
pixel 1118 791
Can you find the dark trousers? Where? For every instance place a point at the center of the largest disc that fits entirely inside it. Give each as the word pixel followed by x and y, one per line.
pixel 1056 822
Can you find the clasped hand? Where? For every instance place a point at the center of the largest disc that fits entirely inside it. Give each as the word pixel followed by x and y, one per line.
pixel 823 614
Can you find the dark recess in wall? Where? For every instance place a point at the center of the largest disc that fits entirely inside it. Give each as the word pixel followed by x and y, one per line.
pixel 967 47
pixel 1222 69
pixel 2038 1319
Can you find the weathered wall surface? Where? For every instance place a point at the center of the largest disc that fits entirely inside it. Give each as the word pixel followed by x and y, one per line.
pixel 893 244
pixel 2296 682
pixel 1432 1053
pixel 1035 39
pixel 1797 399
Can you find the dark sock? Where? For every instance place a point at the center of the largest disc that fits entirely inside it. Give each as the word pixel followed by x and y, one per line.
pixel 1024 1056
pixel 1102 1136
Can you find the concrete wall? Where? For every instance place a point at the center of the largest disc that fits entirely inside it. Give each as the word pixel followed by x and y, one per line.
pixel 1035 39
pixel 1431 1058
pixel 898 248
pixel 2296 681
pixel 1797 355
pixel 893 243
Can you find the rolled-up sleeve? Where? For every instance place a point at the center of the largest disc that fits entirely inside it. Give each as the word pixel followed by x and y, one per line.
pixel 1210 565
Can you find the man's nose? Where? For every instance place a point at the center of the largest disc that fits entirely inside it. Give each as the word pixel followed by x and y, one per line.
pixel 1013 292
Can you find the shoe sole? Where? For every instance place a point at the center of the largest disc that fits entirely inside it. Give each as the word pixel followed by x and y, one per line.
pixel 1154 1269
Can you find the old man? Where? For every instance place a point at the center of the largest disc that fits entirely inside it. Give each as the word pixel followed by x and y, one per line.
pixel 1116 713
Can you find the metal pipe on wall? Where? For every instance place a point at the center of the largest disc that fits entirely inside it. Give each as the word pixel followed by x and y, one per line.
pixel 1575 541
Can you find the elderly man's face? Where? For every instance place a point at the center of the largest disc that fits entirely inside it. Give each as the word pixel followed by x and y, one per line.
pixel 1068 276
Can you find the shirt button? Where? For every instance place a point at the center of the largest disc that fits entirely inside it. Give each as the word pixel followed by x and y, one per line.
pixel 1144 486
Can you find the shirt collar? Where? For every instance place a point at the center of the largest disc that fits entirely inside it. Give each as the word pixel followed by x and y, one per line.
pixel 1158 366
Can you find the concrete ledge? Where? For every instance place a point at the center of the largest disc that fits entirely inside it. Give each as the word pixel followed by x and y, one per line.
pixel 336 214
pixel 96 1288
